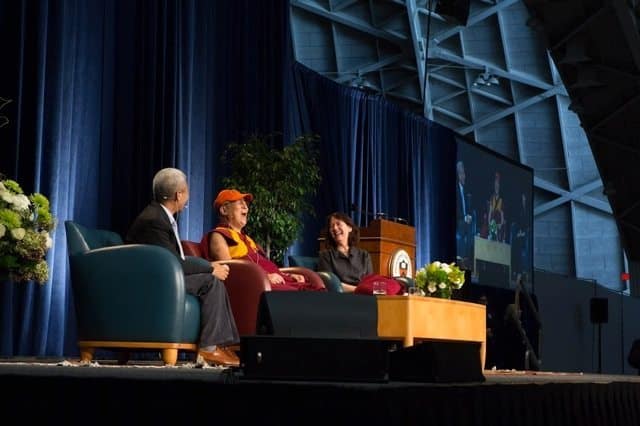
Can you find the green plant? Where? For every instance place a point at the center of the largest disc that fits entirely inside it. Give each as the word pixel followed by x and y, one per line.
pixel 25 225
pixel 282 181
pixel 439 279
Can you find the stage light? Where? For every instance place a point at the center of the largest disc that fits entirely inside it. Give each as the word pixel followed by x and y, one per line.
pixel 362 83
pixel 485 78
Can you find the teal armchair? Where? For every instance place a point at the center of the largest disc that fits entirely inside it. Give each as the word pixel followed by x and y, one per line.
pixel 331 280
pixel 129 297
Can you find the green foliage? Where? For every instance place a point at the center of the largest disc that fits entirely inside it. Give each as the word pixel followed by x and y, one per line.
pixel 439 279
pixel 25 226
pixel 13 186
pixel 282 182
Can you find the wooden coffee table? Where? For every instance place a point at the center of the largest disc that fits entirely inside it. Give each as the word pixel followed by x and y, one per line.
pixel 412 318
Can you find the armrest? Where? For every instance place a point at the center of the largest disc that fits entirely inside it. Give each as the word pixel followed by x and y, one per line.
pixel 406 281
pixel 331 282
pixel 196 263
pixel 312 277
pixel 245 284
pixel 128 292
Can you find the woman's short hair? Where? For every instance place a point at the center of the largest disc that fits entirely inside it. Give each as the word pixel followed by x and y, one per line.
pixel 354 235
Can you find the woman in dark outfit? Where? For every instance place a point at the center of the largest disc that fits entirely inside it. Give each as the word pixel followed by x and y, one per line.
pixel 349 262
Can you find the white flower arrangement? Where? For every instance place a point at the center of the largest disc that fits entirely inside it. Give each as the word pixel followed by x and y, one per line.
pixel 439 279
pixel 25 226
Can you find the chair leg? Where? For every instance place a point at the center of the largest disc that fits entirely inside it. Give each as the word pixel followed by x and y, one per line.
pixel 170 356
pixel 86 354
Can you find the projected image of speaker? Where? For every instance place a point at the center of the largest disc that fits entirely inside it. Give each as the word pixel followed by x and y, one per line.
pixel 494 216
pixel 456 11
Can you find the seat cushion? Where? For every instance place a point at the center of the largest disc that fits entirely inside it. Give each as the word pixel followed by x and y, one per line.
pixel 191 319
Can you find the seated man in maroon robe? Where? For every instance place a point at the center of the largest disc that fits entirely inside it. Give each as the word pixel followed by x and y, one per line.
pixel 227 241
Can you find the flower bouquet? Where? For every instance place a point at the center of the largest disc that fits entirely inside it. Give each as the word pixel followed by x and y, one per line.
pixel 439 279
pixel 25 226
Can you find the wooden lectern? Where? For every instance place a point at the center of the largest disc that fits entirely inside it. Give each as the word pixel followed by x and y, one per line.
pixel 388 243
pixel 391 245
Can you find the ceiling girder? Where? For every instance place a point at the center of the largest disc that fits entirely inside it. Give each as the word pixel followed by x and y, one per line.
pixel 579 195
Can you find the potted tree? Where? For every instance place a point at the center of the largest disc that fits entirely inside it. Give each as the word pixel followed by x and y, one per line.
pixel 282 180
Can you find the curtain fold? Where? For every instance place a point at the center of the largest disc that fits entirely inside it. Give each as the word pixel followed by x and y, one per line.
pixel 104 93
pixel 377 158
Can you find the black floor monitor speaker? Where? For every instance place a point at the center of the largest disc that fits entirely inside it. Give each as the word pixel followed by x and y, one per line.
pixel 599 310
pixel 437 362
pixel 317 314
pixel 315 359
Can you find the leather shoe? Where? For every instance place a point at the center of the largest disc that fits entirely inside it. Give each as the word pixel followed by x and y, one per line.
pixel 220 356
pixel 233 355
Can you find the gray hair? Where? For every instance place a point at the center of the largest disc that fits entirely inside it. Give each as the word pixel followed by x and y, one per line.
pixel 167 182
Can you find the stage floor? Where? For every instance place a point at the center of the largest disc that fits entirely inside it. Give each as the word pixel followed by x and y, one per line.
pixel 55 367
pixel 145 392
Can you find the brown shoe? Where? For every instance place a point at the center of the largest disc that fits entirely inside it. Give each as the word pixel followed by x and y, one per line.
pixel 220 357
pixel 229 350
pixel 231 353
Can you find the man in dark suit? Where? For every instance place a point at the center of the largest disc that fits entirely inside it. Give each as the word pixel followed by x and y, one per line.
pixel 157 225
pixel 464 232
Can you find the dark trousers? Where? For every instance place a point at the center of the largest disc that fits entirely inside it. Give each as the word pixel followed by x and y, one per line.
pixel 217 326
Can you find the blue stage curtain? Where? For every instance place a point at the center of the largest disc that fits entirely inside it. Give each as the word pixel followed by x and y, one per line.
pixel 106 92
pixel 377 158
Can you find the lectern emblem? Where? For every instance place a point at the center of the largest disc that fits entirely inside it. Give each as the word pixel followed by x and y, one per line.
pixel 400 264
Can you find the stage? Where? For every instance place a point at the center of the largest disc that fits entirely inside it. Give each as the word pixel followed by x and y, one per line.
pixel 146 392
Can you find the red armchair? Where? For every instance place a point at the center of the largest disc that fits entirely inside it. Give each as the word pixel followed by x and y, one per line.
pixel 245 284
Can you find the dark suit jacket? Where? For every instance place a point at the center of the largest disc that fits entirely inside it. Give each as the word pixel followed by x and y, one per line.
pixel 461 197
pixel 152 226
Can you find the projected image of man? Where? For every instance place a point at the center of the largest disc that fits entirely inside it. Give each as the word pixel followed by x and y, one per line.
pixel 464 219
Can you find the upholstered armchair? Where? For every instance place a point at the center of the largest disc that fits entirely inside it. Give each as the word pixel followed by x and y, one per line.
pixel 246 283
pixel 331 280
pixel 129 297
